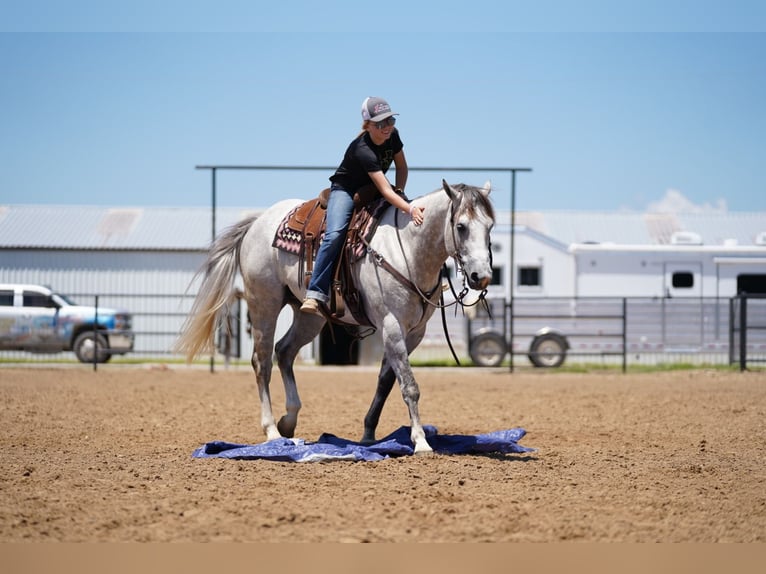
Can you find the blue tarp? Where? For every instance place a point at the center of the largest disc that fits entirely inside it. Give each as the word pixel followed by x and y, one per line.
pixel 398 443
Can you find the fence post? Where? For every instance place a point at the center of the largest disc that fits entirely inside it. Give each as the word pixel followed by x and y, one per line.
pixel 742 332
pixel 510 332
pixel 732 328
pixel 624 334
pixel 95 335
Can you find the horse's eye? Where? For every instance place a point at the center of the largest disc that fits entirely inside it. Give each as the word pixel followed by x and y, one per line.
pixel 461 228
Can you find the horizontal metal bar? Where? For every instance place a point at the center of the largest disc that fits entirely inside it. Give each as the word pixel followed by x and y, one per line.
pixel 570 317
pixel 334 167
pixel 595 353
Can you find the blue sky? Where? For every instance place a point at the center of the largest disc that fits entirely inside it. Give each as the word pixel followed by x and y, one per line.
pixel 612 108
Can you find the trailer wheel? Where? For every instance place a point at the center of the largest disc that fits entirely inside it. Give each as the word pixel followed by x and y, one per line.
pixel 488 349
pixel 85 346
pixel 548 351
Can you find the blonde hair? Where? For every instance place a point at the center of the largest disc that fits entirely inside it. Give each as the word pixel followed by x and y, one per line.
pixel 365 125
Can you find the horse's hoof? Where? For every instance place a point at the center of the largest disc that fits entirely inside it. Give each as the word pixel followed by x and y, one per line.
pixel 272 434
pixel 422 447
pixel 285 429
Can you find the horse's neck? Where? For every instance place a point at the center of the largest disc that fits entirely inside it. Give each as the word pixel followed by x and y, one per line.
pixel 426 241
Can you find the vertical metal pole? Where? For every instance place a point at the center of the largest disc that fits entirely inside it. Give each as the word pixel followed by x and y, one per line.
pixel 624 334
pixel 510 271
pixel 743 332
pixel 95 334
pixel 212 211
pixel 732 329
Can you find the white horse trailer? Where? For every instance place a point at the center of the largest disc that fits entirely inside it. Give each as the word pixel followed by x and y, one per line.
pixel 679 292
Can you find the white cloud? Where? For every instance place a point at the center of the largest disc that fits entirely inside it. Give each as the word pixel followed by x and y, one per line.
pixel 676 202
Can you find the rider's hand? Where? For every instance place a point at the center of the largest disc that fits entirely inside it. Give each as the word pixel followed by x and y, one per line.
pixel 416 212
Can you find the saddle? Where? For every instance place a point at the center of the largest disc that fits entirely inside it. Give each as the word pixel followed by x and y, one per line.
pixel 301 233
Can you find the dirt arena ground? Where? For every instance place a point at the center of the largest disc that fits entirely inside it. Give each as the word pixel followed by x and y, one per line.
pixel 106 456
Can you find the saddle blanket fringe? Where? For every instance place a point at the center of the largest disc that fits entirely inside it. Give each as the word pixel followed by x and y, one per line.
pixel 398 443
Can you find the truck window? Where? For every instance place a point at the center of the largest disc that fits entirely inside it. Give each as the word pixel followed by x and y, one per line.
pixel 683 280
pixel 6 298
pixel 34 299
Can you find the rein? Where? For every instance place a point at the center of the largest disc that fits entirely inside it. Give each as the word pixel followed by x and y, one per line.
pixel 381 261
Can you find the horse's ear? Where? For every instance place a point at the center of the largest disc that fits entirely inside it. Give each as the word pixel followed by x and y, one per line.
pixel 450 191
pixel 487 187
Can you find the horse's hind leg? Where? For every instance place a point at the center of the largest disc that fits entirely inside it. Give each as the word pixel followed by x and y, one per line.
pixel 263 324
pixel 303 330
pixel 386 379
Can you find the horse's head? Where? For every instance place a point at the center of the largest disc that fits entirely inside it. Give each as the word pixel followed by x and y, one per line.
pixel 471 218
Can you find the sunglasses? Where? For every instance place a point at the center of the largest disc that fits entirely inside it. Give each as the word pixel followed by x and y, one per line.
pixel 383 123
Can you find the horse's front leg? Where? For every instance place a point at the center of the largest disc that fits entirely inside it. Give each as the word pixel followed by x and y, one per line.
pixel 397 352
pixel 386 379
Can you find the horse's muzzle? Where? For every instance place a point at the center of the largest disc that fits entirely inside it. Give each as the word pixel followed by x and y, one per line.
pixel 478 283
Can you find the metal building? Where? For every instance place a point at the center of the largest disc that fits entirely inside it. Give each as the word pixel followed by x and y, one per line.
pixel 144 260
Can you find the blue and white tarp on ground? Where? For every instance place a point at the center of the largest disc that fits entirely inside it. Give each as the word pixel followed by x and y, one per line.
pixel 398 443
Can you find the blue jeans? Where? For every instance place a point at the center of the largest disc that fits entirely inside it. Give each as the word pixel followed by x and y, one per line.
pixel 340 207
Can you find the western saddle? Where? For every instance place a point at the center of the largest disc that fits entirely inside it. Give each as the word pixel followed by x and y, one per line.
pixel 301 233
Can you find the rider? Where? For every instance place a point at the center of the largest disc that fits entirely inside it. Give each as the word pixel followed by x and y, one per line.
pixel 365 162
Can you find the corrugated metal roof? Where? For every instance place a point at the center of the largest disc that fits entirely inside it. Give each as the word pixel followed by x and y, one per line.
pixel 86 227
pixel 189 228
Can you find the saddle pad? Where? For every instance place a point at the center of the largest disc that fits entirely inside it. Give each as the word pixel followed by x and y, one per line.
pixel 286 238
pixel 368 217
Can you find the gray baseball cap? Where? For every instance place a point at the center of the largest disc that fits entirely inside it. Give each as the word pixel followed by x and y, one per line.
pixel 376 109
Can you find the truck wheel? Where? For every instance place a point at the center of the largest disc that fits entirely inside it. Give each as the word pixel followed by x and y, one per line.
pixel 488 349
pixel 84 347
pixel 548 351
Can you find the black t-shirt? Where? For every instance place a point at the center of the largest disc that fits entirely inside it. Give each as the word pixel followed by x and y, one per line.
pixel 363 156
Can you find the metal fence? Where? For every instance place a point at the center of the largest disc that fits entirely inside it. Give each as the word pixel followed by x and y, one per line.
pixel 747 317
pixel 544 331
pixel 624 331
pixel 156 322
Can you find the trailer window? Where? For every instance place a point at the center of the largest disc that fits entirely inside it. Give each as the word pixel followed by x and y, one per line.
pixel 755 283
pixel 529 277
pixel 6 298
pixel 683 280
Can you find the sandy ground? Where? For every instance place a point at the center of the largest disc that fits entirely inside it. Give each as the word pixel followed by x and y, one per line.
pixel 106 456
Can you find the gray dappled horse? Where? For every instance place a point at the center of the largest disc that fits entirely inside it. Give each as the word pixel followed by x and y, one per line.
pixel 457 223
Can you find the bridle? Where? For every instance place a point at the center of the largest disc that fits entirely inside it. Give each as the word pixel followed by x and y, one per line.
pixel 426 296
pixel 460 266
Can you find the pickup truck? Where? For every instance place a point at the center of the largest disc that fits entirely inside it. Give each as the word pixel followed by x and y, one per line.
pixel 37 319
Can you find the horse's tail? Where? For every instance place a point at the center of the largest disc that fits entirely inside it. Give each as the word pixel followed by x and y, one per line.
pixel 220 269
